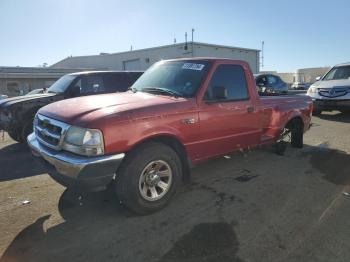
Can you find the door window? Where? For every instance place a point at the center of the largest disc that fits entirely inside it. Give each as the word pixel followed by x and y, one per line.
pixel 92 84
pixel 117 82
pixel 272 80
pixel 232 77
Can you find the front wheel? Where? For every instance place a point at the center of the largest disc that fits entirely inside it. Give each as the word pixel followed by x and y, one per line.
pixel 148 178
pixel 316 112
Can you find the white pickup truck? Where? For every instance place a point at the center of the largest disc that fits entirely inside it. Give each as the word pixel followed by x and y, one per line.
pixel 332 91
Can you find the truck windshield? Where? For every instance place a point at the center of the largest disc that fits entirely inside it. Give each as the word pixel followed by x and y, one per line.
pixel 61 84
pixel 174 78
pixel 340 72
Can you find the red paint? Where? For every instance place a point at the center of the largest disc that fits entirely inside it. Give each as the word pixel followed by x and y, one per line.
pixel 127 119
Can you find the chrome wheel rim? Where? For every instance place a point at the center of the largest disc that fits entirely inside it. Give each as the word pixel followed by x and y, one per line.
pixel 155 180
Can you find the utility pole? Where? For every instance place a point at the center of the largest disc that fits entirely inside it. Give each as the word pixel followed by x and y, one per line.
pixel 192 41
pixel 262 53
pixel 186 41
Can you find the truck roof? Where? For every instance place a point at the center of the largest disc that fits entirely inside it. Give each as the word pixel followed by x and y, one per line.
pixel 99 72
pixel 205 59
pixel 343 64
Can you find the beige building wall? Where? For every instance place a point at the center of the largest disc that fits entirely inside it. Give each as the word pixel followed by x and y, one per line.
pixel 308 75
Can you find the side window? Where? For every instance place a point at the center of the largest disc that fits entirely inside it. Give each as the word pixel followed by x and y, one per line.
pixel 232 77
pixel 118 82
pixel 261 81
pixel 134 76
pixel 272 80
pixel 92 84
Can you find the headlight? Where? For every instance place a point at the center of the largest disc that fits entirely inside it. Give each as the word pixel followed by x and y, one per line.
pixel 312 89
pixel 84 141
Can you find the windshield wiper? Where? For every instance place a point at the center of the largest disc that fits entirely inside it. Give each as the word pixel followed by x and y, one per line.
pixel 161 90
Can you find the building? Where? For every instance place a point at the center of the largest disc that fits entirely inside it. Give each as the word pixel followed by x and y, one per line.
pixel 16 81
pixel 143 58
pixel 308 75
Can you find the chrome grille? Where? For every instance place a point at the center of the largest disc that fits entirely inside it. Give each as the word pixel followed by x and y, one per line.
pixel 50 132
pixel 333 92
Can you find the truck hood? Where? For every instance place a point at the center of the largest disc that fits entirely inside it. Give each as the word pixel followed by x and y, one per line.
pixel 332 83
pixel 20 99
pixel 89 110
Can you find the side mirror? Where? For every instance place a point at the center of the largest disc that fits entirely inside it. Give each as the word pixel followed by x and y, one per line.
pixel 75 91
pixel 318 78
pixel 219 92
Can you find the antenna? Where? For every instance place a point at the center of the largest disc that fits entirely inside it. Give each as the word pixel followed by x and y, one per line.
pixel 192 40
pixel 262 53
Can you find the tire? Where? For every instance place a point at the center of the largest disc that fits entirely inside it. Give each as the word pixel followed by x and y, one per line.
pixel 316 112
pixel 27 129
pixel 139 172
pixel 15 134
pixel 345 111
pixel 297 135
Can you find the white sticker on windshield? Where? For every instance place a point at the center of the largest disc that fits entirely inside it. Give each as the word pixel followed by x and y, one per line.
pixel 192 66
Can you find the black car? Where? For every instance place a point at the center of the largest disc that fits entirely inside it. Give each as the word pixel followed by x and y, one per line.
pixel 269 84
pixel 17 113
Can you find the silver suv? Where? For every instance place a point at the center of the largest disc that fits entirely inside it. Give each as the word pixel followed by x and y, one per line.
pixel 332 91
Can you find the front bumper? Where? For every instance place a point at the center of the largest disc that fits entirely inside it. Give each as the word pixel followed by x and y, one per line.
pixel 330 104
pixel 70 170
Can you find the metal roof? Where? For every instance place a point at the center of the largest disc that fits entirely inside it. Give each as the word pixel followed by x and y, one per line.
pixel 158 47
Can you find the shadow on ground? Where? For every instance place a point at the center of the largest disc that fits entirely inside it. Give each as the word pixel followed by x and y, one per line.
pixel 16 161
pixel 340 117
pixel 334 164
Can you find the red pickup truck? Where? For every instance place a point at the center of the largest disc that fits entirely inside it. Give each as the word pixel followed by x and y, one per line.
pixel 178 113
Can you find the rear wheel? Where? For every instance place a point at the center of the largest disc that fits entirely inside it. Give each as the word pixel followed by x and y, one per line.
pixel 297 134
pixel 345 111
pixel 316 112
pixel 148 178
pixel 293 133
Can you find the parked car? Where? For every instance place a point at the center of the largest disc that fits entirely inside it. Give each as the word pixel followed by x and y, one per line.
pixel 332 91
pixel 178 113
pixel 3 96
pixel 300 86
pixel 17 113
pixel 36 91
pixel 269 84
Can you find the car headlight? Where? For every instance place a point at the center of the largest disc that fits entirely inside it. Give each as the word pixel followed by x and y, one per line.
pixel 312 89
pixel 84 141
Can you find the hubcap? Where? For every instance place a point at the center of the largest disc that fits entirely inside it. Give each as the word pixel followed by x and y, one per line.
pixel 155 180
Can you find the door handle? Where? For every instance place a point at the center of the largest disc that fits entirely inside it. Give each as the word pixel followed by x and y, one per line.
pixel 250 109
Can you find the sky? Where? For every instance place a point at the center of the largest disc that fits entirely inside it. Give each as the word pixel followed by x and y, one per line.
pixel 297 34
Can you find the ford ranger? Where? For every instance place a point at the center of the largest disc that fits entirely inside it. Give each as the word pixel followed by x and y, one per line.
pixel 17 113
pixel 177 114
pixel 332 92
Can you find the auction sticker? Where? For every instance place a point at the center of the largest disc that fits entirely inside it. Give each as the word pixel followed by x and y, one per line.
pixel 192 66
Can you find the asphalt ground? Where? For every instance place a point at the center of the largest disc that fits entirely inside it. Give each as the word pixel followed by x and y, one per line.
pixel 251 206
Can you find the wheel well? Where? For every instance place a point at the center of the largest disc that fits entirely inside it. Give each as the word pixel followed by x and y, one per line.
pixel 295 122
pixel 178 147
